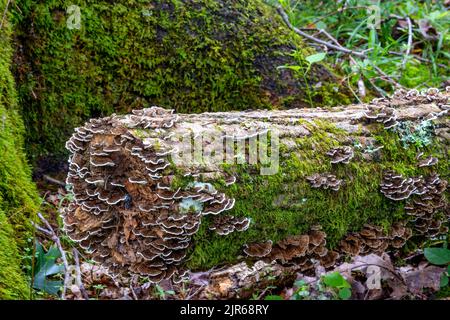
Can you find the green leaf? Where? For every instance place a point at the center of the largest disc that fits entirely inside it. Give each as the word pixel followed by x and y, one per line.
pixel 438 256
pixel 448 269
pixel 314 58
pixel 345 293
pixel 321 25
pixel 335 280
pixel 273 297
pixel 444 280
pixel 46 266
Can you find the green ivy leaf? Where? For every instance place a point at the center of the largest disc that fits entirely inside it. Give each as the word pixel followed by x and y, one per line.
pixel 335 280
pixel 345 293
pixel 314 58
pixel 437 256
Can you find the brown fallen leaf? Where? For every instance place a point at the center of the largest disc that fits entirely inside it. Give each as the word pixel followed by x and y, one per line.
pixel 422 277
pixel 427 30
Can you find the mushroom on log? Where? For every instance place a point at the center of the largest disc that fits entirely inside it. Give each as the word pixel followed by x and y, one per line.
pixel 157 193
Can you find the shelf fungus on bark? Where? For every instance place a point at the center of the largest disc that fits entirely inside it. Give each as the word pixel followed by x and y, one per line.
pixel 383 114
pixel 301 251
pixel 424 206
pixel 399 234
pixel 325 181
pixel 372 239
pixel 341 154
pixel 125 212
pixel 258 249
pixel 397 188
pixel 224 225
pixel 425 197
pixel 428 162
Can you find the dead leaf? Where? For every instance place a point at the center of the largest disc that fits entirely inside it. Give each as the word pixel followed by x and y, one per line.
pixel 427 30
pixel 423 277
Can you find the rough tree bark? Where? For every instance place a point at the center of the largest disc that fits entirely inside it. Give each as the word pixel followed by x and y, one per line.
pixel 348 181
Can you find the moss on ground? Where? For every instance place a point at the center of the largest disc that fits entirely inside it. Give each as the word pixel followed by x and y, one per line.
pixel 18 195
pixel 191 56
pixel 285 204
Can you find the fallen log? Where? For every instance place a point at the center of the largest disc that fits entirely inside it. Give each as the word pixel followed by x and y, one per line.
pixel 157 193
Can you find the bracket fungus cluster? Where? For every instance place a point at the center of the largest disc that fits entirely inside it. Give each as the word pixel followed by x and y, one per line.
pixel 383 114
pixel 325 181
pixel 341 154
pixel 224 224
pixel 425 199
pixel 372 239
pixel 258 249
pixel 384 110
pixel 426 162
pixel 303 251
pixel 125 212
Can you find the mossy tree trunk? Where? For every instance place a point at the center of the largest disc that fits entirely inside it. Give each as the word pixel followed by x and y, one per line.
pixel 193 56
pixel 142 205
pixel 18 195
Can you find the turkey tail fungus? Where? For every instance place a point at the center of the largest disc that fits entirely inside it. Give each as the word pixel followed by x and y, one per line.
pixel 157 193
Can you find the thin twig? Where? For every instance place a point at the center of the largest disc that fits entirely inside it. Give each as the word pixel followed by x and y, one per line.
pixel 338 47
pixel 329 36
pixel 409 45
pixel 388 78
pixel 53 180
pixel 189 297
pixel 78 274
pixel 50 232
pixel 307 36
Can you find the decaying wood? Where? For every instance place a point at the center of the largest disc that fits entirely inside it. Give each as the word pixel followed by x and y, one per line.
pixel 129 215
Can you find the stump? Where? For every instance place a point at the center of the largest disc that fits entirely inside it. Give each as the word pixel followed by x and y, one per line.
pixel 158 193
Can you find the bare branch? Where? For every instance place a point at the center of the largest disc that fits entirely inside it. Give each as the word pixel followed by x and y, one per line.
pixel 307 36
pixel 54 181
pixel 78 274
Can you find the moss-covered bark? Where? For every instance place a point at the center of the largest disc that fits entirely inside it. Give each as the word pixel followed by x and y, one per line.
pixel 18 195
pixel 189 55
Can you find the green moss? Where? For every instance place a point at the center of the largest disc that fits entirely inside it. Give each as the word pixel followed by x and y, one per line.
pixel 18 195
pixel 12 284
pixel 285 204
pixel 191 56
